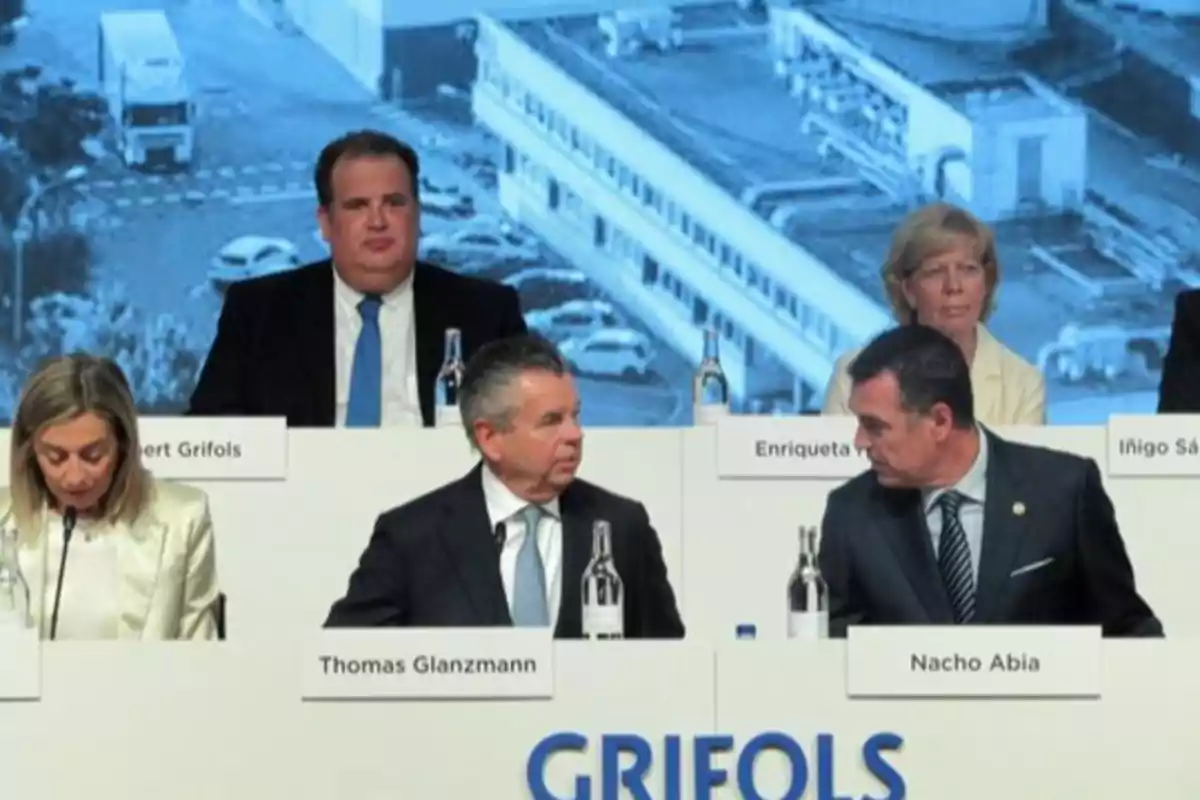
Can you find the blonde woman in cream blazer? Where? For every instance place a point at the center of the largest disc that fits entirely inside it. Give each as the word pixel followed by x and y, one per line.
pixel 942 271
pixel 141 562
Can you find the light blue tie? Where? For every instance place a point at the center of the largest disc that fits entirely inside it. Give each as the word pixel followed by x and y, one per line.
pixel 529 585
pixel 364 408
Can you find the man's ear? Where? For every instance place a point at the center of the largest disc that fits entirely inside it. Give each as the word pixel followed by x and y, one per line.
pixel 324 223
pixel 487 439
pixel 943 419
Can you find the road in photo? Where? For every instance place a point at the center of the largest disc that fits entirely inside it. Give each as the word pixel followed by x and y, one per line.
pixel 693 166
pixel 267 99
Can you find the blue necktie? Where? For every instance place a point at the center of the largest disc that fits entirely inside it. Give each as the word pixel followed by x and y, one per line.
pixel 364 408
pixel 954 559
pixel 530 608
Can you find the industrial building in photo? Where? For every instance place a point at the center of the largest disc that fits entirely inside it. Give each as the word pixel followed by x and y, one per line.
pixel 1144 64
pixel 744 168
pixel 389 46
pixel 406 51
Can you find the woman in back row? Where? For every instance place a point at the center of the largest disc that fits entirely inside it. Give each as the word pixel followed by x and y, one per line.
pixel 140 561
pixel 942 271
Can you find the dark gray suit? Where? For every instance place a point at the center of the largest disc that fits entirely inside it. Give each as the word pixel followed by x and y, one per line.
pixel 433 562
pixel 1052 553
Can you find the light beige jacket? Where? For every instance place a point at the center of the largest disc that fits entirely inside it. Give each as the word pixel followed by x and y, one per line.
pixel 1008 390
pixel 167 561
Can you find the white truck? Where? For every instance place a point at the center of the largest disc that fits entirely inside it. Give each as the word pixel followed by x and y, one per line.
pixel 143 76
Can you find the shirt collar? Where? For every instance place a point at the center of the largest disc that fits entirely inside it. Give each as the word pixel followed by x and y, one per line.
pixel 973 485
pixel 503 505
pixel 351 297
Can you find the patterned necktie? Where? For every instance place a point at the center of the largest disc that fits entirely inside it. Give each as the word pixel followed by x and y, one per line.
pixel 530 607
pixel 954 559
pixel 364 408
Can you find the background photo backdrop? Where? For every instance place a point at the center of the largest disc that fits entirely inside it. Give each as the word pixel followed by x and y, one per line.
pixel 637 169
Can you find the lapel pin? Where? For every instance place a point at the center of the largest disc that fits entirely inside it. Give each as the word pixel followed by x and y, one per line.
pixel 1019 509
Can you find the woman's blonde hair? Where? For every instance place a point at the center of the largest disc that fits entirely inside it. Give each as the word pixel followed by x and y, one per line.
pixel 60 390
pixel 926 233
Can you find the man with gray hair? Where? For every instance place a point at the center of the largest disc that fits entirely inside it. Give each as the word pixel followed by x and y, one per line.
pixel 463 556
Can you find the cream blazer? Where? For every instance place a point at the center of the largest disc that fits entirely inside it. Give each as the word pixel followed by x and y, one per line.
pixel 1008 390
pixel 167 562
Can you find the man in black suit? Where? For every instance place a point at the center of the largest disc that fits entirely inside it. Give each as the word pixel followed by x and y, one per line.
pixel 458 556
pixel 954 525
pixel 1179 391
pixel 357 340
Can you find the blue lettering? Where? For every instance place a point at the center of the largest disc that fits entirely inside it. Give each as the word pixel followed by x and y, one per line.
pixel 672 788
pixel 535 769
pixel 632 777
pixel 766 742
pixel 825 769
pixel 873 759
pixel 708 777
pixel 626 761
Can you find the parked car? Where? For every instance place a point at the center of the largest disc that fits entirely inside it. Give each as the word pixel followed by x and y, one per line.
pixel 474 245
pixel 428 184
pixel 250 257
pixel 446 200
pixel 575 319
pixel 448 205
pixel 547 287
pixel 611 353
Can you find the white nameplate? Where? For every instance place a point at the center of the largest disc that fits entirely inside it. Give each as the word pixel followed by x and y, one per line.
pixel 215 448
pixel 788 447
pixel 430 664
pixel 973 661
pixel 20 665
pixel 1154 446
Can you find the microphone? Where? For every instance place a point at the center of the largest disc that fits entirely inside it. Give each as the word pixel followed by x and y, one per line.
pixel 501 536
pixel 69 517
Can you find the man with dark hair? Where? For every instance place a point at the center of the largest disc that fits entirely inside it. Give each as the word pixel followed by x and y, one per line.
pixel 433 561
pixel 954 525
pixel 358 339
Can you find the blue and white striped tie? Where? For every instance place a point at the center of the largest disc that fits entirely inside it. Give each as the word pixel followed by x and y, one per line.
pixel 954 559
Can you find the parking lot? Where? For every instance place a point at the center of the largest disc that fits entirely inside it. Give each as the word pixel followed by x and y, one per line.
pixel 627 377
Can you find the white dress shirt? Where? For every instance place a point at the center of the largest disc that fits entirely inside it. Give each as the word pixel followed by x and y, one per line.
pixel 973 487
pixel 90 604
pixel 504 506
pixel 401 404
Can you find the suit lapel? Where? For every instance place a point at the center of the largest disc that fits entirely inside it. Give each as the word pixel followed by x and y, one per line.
pixel 314 328
pixel 140 548
pixel 472 549
pixel 908 535
pixel 1004 529
pixel 429 324
pixel 576 549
